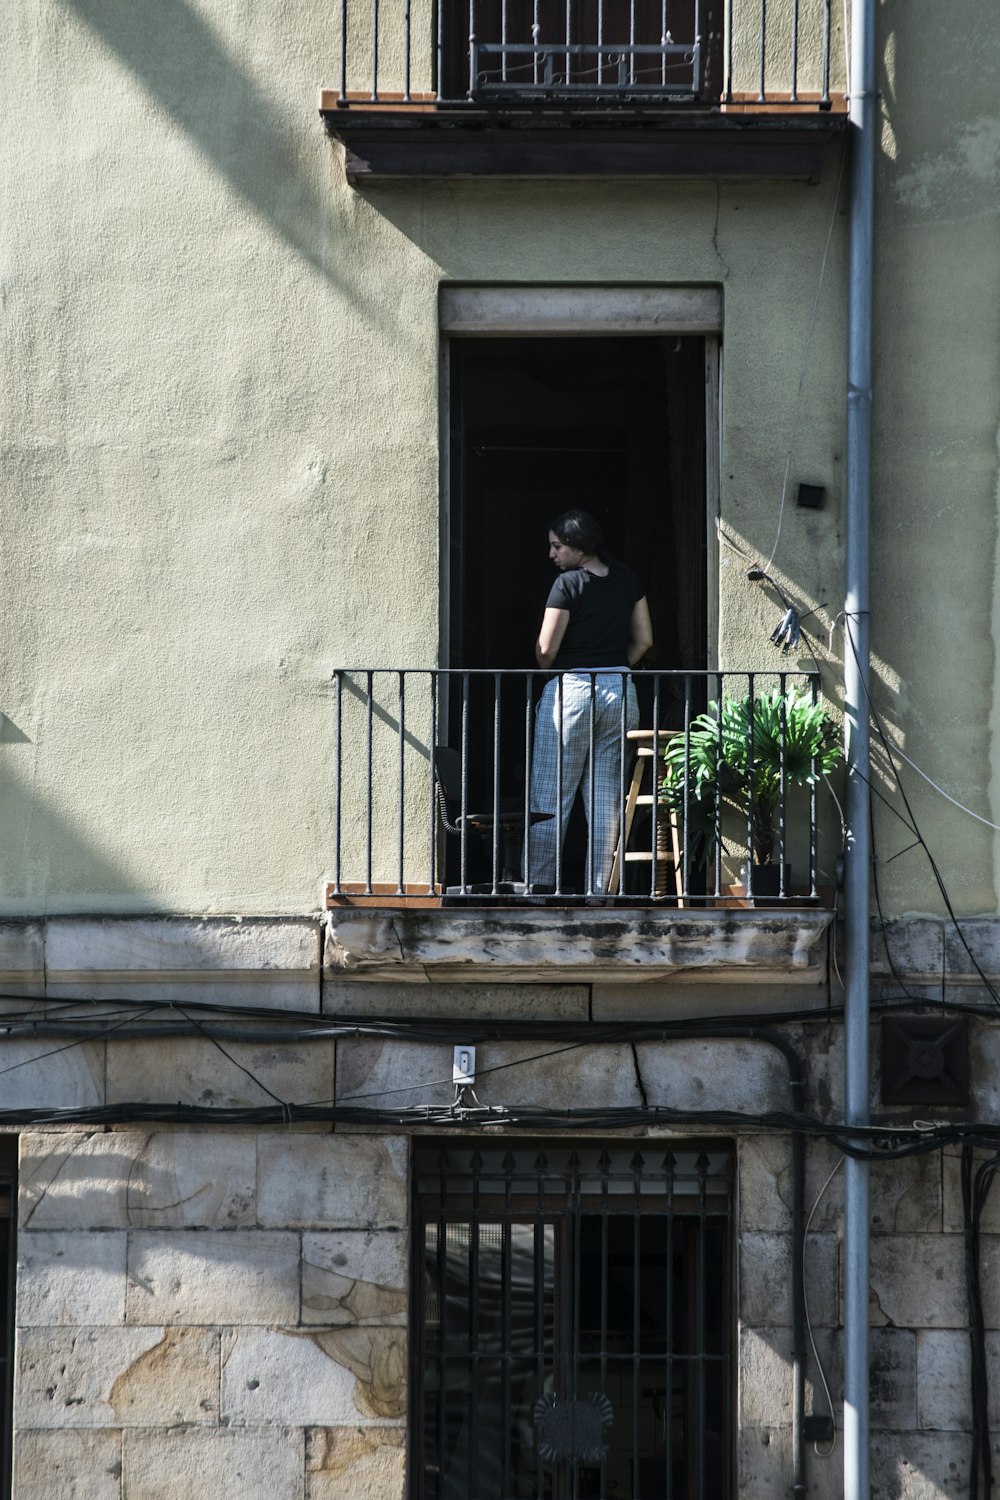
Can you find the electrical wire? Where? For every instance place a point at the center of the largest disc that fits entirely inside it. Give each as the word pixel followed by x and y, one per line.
pixel 987 823
pixel 820 1452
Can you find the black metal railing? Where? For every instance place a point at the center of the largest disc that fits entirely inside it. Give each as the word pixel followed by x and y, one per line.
pixel 638 52
pixel 465 786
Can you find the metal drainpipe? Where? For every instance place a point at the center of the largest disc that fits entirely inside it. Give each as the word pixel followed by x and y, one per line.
pixel 857 900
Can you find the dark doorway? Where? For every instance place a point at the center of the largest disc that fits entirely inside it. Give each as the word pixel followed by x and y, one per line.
pixel 615 425
pixel 539 425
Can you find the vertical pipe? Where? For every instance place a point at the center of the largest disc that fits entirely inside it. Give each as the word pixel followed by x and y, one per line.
pixel 863 125
pixel 825 99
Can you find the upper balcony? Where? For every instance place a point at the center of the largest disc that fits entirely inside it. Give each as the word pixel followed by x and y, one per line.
pixel 586 88
pixel 459 849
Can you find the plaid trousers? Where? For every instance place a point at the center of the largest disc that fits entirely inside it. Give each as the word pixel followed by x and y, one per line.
pixel 573 710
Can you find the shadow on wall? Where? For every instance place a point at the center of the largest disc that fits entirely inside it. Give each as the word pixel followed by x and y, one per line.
pixel 231 121
pixel 42 850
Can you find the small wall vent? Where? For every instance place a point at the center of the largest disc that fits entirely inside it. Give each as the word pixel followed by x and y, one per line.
pixel 925 1060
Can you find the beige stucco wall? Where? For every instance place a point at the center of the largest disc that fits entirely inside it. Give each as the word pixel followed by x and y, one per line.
pixel 220 434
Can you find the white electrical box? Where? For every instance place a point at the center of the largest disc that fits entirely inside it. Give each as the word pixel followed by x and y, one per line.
pixel 464 1066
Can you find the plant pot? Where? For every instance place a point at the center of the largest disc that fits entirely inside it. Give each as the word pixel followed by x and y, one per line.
pixel 765 880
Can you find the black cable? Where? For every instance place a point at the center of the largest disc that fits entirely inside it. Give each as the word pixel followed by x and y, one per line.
pixel 975 1192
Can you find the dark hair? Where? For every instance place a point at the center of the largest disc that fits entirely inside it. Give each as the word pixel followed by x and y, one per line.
pixel 578 528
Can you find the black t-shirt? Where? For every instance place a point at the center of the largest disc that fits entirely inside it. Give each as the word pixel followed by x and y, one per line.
pixel 600 615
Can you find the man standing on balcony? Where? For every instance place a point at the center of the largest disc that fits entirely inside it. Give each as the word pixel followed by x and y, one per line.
pixel 595 627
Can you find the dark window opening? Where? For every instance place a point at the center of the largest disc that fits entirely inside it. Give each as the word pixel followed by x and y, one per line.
pixel 616 426
pixel 573 1322
pixel 566 50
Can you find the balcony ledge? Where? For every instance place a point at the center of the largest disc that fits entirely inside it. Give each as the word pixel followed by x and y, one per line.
pixel 633 945
pixel 384 144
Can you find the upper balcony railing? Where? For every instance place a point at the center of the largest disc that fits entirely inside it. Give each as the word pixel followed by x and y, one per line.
pixel 491 54
pixel 456 786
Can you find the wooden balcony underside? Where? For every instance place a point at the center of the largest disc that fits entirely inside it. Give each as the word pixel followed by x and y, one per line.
pixel 385 143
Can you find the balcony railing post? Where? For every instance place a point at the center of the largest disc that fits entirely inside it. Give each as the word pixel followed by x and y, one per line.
pixel 497 871
pixel 338 764
pixel 752 805
pixel 761 91
pixel 407 24
pixel 782 781
pixel 433 818
pixel 473 67
pixel 813 811
pixel 528 800
pixel 795 52
pixel 591 788
pixel 342 96
pixel 375 51
pixel 369 778
pixel 559 782
pixel 401 782
pixel 464 821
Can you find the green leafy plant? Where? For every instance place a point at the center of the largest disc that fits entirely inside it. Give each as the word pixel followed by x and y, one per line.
pixel 731 761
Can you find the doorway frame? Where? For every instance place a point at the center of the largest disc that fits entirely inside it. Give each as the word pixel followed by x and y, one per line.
pixel 560 311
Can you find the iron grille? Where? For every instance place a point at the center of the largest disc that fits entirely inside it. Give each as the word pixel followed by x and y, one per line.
pixel 573 1322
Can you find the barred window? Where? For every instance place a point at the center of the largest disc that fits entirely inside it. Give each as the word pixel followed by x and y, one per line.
pixel 573 1335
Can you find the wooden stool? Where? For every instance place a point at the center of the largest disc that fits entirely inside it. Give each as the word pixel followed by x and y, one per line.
pixel 646 753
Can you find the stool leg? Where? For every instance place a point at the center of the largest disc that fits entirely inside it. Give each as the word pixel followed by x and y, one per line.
pixel 623 833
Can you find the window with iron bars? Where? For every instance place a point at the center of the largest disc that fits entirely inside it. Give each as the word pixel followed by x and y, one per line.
pixel 573 1321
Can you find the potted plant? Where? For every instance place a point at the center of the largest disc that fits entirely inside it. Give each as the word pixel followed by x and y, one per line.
pixel 730 764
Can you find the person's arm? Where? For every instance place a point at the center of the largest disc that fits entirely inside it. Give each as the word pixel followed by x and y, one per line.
pixel 640 632
pixel 554 622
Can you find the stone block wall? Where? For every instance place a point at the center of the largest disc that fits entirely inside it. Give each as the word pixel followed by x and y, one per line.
pixel 213 1309
pixel 211 1313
